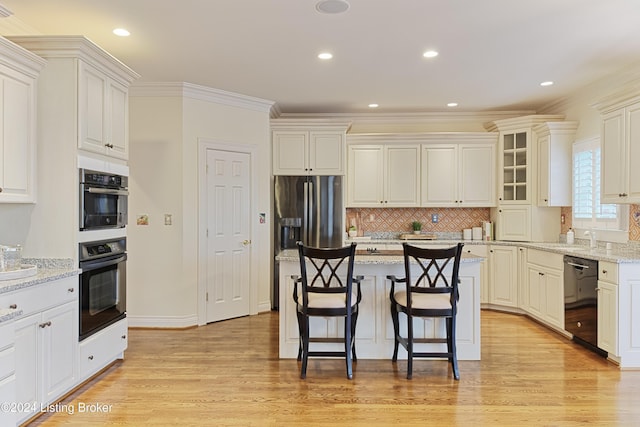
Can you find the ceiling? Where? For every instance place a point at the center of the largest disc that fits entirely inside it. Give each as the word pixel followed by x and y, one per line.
pixel 493 53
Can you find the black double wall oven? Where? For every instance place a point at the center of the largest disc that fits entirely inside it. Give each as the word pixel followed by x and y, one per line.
pixel 103 280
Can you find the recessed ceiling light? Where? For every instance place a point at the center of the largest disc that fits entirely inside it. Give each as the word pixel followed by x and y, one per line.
pixel 548 83
pixel 452 104
pixel 373 105
pixel 121 32
pixel 332 6
pixel 430 54
pixel 325 55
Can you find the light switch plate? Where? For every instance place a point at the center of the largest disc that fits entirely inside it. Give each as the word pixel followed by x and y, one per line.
pixel 168 220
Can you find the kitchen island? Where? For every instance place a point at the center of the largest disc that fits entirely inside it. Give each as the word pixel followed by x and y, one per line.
pixel 374 331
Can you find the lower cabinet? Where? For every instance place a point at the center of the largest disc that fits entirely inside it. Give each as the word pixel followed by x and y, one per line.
pixel 7 373
pixel 503 276
pixel 45 345
pixel 102 348
pixel 608 317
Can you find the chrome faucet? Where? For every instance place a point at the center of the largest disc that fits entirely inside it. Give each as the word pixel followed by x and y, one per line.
pixel 592 238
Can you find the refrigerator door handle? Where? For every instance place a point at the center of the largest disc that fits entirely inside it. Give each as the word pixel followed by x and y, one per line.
pixel 305 214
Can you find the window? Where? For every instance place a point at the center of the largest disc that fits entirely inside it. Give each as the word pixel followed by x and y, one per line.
pixel 610 221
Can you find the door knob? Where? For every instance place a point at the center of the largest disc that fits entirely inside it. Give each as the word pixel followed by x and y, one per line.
pixel 246 242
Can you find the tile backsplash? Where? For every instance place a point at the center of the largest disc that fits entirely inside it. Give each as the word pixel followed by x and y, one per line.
pixel 398 220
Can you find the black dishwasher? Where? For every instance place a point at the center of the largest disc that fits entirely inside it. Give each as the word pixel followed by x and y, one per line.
pixel 581 300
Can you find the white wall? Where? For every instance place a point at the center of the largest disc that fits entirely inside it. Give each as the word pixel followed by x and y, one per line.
pixel 164 135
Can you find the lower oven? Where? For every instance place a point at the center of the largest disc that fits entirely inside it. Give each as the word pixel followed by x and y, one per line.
pixel 103 282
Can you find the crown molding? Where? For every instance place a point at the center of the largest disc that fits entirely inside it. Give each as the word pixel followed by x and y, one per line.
pixel 50 47
pixel 522 122
pixel 202 93
pixel 18 58
pixel 422 137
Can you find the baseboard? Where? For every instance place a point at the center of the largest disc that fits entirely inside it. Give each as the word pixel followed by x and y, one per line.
pixel 176 322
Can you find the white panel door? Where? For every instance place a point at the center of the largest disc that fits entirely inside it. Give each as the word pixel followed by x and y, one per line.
pixel 229 234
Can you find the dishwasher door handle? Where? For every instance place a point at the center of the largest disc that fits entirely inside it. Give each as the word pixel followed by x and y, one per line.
pixel 577 265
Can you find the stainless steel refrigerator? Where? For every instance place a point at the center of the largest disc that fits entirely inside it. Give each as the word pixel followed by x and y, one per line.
pixel 309 209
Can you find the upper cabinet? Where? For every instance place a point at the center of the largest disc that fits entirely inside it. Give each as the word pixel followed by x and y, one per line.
pixel 555 140
pixel 84 97
pixel 103 113
pixel 19 70
pixel 519 215
pixel 620 133
pixel 383 176
pixel 460 173
pixel 304 147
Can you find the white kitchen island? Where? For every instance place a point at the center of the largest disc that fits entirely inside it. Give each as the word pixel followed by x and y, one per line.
pixel 374 331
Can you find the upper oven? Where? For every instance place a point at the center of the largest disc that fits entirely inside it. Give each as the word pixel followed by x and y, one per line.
pixel 103 200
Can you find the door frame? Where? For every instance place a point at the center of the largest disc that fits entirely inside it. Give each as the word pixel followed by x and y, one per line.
pixel 205 144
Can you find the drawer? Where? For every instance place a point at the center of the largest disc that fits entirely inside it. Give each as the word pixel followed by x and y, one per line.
pixel 102 348
pixel 7 362
pixel 545 259
pixel 608 272
pixel 38 298
pixel 477 250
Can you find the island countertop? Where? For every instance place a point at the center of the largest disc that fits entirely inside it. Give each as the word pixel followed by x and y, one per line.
pixel 379 257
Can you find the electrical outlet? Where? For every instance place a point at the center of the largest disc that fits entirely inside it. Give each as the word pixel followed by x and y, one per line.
pixel 434 218
pixel 168 220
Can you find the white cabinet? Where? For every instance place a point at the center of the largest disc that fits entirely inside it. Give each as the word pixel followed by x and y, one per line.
pixel 308 147
pixel 545 287
pixel 518 216
pixel 503 276
pixel 620 176
pixel 7 372
pixel 608 307
pixel 458 175
pixel 19 70
pixel 102 348
pixel 554 145
pixel 46 342
pixel 383 175
pixel 103 113
pixel 480 250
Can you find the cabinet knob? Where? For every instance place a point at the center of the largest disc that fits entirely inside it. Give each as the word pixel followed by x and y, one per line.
pixel 71 290
pixel 44 325
pixel 604 271
pixel 108 145
pixel 124 337
pixel 13 306
pixel 90 357
pixel 546 200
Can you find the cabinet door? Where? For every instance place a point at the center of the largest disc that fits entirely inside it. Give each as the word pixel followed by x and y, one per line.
pixel 402 176
pixel 440 176
pixel 536 291
pixel 503 282
pixel 28 350
pixel 118 121
pixel 365 178
pixel 613 165
pixel 633 152
pixel 514 223
pixel 326 153
pixel 60 344
pixel 514 168
pixel 290 153
pixel 608 317
pixel 543 170
pixel 477 175
pixel 92 116
pixel 554 298
pixel 17 137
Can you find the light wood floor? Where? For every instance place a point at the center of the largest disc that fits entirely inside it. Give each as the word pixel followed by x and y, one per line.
pixel 229 374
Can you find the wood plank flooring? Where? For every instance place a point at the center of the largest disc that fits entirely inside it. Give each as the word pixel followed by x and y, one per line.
pixel 229 374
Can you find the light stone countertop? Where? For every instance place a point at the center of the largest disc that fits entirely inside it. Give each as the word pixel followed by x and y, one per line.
pixel 7 314
pixel 48 270
pixel 291 255
pixel 620 254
